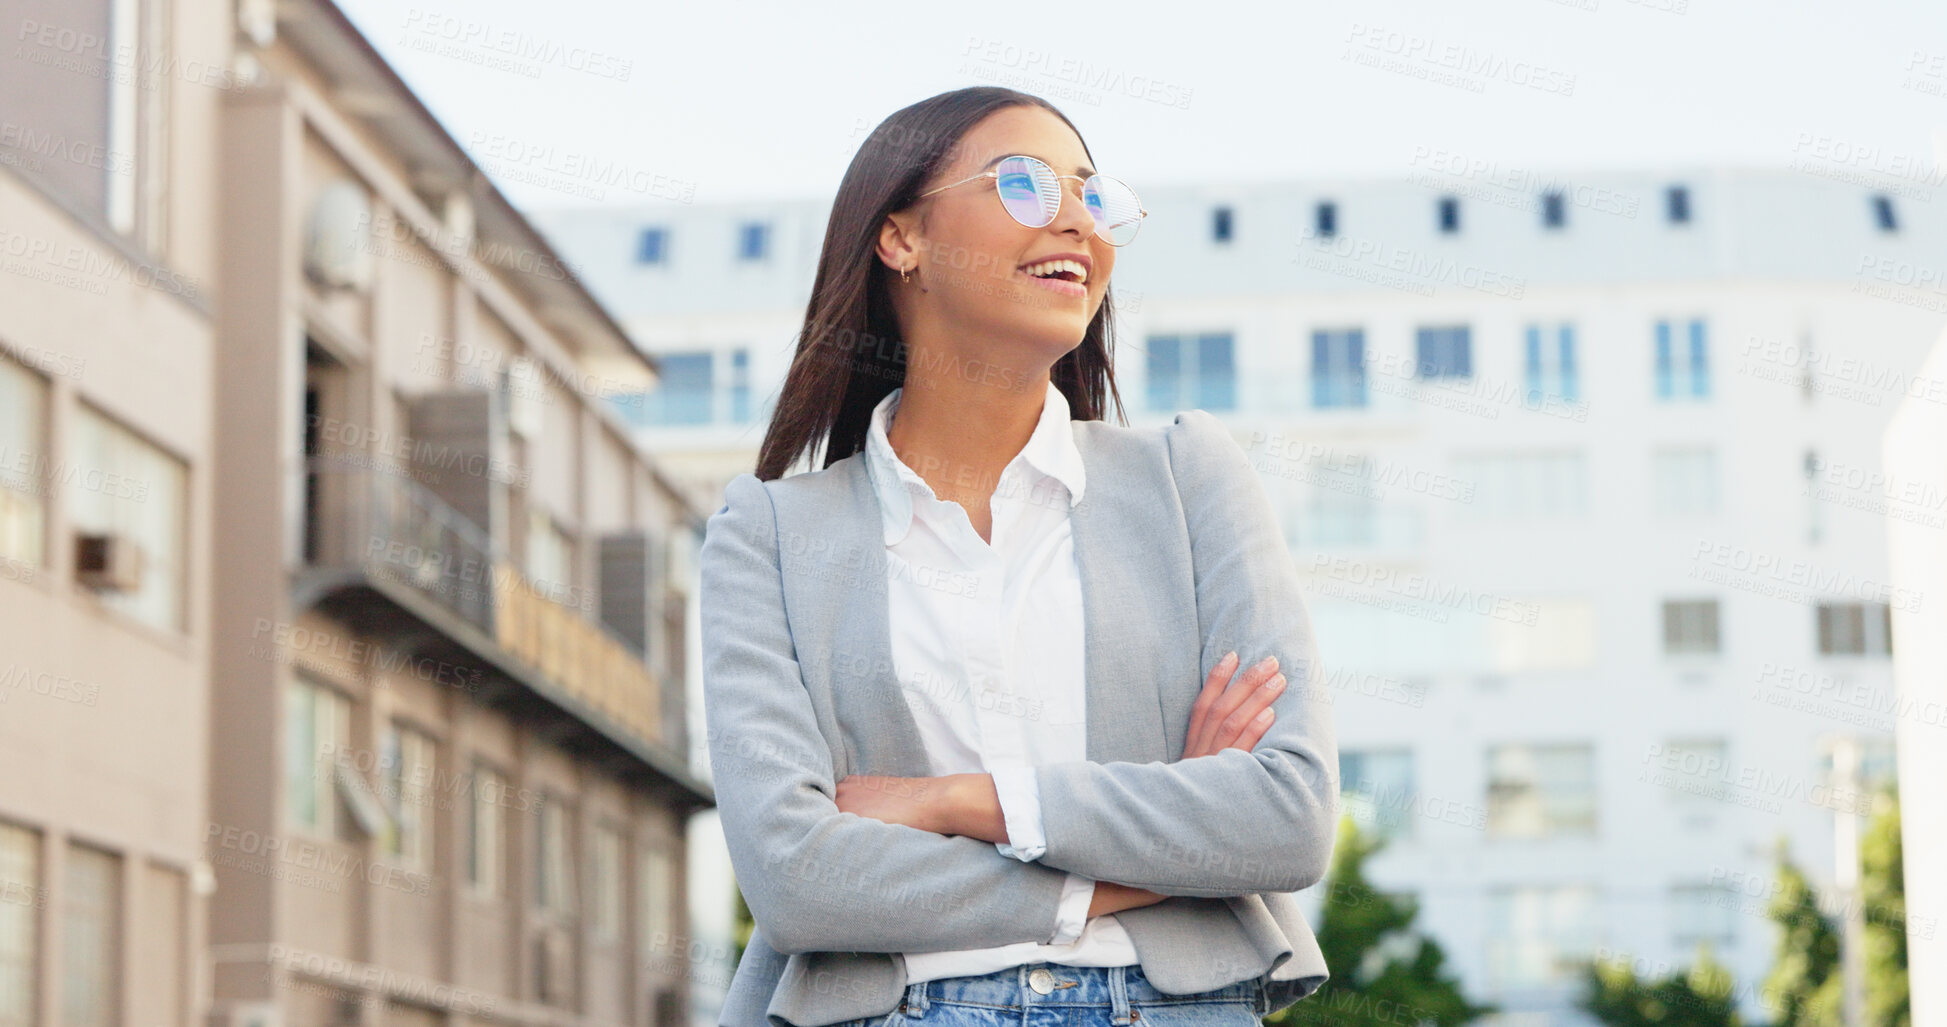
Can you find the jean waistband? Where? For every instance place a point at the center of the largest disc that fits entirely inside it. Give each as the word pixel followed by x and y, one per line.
pixel 1051 984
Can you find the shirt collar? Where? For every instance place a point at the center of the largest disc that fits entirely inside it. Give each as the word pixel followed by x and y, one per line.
pixel 1050 450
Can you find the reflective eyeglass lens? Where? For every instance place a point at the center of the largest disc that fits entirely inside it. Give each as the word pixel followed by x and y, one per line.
pixel 1117 212
pixel 1029 190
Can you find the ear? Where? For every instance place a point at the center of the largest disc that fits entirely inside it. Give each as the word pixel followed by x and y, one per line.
pixel 899 240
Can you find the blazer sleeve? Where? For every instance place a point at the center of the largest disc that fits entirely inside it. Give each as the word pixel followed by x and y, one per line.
pixel 1232 822
pixel 818 879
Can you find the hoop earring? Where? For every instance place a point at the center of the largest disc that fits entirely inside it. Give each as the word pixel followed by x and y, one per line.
pixel 903 280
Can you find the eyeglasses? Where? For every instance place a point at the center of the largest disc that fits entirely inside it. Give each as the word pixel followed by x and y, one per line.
pixel 1031 192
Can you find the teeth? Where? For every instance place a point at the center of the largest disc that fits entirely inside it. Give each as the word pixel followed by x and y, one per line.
pixel 1049 267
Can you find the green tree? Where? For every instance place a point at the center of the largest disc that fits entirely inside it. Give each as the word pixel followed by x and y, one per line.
pixel 1382 971
pixel 1808 949
pixel 1806 976
pixel 1700 995
pixel 1883 887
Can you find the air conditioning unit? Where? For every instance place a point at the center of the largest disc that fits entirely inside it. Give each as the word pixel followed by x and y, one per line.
pixel 107 561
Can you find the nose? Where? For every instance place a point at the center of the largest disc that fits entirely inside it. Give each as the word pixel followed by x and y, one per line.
pixel 1074 216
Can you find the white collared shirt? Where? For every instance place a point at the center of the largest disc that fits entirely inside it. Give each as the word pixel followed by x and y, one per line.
pixel 988 646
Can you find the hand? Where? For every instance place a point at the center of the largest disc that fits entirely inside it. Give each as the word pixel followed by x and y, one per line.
pixel 914 801
pixel 1233 714
pixel 1111 897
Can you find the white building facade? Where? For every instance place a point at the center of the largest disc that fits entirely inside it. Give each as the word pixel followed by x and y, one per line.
pixel 1584 474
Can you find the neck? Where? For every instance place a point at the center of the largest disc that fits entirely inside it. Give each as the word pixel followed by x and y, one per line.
pixel 958 434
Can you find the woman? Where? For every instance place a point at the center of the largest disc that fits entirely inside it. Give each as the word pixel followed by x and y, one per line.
pixel 976 716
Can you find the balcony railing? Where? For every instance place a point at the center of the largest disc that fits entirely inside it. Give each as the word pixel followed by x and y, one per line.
pixel 375 518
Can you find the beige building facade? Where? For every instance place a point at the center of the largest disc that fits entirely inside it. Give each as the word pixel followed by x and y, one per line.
pixel 343 623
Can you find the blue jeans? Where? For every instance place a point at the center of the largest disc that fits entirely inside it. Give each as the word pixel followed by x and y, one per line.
pixel 1055 995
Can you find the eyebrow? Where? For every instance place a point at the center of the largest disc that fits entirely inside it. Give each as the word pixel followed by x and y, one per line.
pixel 1083 170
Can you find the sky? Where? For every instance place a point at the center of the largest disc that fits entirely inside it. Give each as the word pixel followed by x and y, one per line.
pixel 577 103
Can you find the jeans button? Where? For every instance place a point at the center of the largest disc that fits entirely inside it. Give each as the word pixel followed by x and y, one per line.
pixel 1041 980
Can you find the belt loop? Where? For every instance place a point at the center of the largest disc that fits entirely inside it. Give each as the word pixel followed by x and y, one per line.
pixel 916 1001
pixel 1119 1013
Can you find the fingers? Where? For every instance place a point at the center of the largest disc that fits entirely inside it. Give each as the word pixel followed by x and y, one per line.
pixel 1213 689
pixel 1227 715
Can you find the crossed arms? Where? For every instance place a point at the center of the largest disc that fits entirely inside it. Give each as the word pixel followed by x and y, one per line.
pixel 821 879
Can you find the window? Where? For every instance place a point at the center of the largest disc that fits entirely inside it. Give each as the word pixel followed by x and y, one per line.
pixel 1855 629
pixel 1695 771
pixel 407 760
pixel 1562 637
pixel 1815 507
pixel 20 903
pixel 605 884
pixel 107 112
pixel 1449 215
pixel 686 392
pixel 1376 790
pixel 652 246
pixel 753 241
pixel 1703 913
pixel 23 463
pixel 655 895
pixel 1220 224
pixel 1191 372
pixel 554 882
pixel 1883 217
pixel 1676 377
pixel 1552 211
pixel 1539 935
pixel 121 485
pixel 1549 364
pixel 1342 509
pixel 550 555
pixel 740 386
pixel 91 946
pixel 1339 368
pixel 1325 219
pixel 1690 627
pixel 1444 352
pixel 484 831
pixel 1676 204
pixel 1684 481
pixel 317 725
pixel 1522 486
pixel 1540 791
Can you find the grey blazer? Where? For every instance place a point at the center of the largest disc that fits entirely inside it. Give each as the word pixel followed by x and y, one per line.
pixel 1181 560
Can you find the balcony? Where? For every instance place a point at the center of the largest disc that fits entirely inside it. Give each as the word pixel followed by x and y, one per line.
pixel 366 518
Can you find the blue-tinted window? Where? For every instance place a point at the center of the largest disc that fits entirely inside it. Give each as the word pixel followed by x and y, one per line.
pixel 1220 224
pixel 1444 351
pixel 1552 211
pixel 1676 201
pixel 740 386
pixel 1449 214
pixel 1685 375
pixel 753 240
pixel 1548 363
pixel 1325 219
pixel 1188 372
pixel 652 246
pixel 1883 215
pixel 1339 368
pixel 685 394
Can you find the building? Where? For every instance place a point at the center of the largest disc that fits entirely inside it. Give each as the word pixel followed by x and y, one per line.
pixel 346 624
pixel 108 343
pixel 1583 472
pixel 450 629
pixel 1916 451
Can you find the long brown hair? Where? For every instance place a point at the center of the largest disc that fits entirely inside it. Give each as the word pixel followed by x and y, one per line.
pixel 850 354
